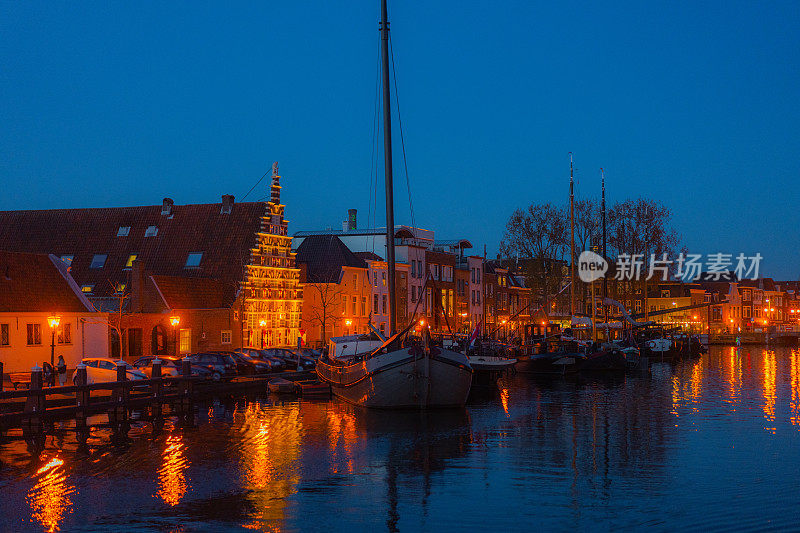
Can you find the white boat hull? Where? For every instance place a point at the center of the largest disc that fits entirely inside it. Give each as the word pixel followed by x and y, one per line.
pixel 400 379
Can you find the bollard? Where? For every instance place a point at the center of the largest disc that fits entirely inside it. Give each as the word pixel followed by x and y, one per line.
pixel 32 426
pixel 155 388
pixel 118 415
pixel 186 407
pixel 82 403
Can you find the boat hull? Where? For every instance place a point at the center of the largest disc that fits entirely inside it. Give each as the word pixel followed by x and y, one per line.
pixel 549 363
pixel 402 379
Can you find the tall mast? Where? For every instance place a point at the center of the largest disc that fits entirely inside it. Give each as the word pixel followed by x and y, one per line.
pixel 605 281
pixel 387 163
pixel 572 245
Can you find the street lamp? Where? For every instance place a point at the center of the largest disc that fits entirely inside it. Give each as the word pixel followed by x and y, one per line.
pixel 174 321
pixel 263 324
pixel 54 321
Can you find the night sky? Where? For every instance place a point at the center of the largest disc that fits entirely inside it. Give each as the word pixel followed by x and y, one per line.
pixel 693 104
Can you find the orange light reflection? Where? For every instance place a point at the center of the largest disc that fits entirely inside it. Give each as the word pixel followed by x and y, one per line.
pixel 172 485
pixel 770 371
pixel 49 498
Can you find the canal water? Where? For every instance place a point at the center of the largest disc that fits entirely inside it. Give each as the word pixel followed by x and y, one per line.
pixel 707 445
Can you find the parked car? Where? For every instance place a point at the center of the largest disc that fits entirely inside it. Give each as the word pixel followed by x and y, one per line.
pixel 247 365
pixel 290 357
pixel 104 370
pixel 221 365
pixel 170 366
pixel 309 352
pixel 276 363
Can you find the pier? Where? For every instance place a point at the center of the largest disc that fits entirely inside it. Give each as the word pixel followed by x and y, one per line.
pixel 36 409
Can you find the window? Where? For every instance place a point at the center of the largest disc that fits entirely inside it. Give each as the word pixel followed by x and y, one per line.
pixel 121 288
pixel 374 278
pixel 665 293
pixel 123 231
pixel 65 334
pixel 383 303
pixel 225 336
pixel 131 259
pixel 413 293
pixel 34 334
pixel 67 259
pixel 375 304
pixel 746 313
pixel 185 340
pixel 4 335
pixel 355 306
pixel 383 277
pixel 158 340
pixel 193 260
pixel 383 328
pixel 413 269
pixel 151 231
pixel 87 289
pixel 98 261
pixel 363 306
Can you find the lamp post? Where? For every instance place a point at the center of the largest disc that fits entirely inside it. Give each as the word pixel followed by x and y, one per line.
pixel 263 324
pixel 54 321
pixel 174 321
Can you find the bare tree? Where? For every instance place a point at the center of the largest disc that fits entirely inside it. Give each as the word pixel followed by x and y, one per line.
pixel 641 226
pixel 323 310
pixel 540 236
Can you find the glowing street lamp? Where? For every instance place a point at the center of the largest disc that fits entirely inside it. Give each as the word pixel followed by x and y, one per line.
pixel 174 321
pixel 263 324
pixel 53 321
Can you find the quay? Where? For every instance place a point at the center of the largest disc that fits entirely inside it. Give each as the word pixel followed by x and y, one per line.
pixel 34 410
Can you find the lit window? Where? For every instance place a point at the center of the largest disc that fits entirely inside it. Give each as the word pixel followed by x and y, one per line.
pixel 131 259
pixel 226 337
pixel 98 261
pixel 120 288
pixel 34 334
pixel 123 231
pixel 87 289
pixel 151 231
pixel 67 259
pixel 193 260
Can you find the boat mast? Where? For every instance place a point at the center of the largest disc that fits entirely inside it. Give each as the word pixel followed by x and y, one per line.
pixel 387 163
pixel 605 281
pixel 572 245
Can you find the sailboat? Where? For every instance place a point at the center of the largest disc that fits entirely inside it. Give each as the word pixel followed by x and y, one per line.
pixel 407 370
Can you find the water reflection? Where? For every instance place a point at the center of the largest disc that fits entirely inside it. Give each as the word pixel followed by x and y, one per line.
pixel 269 451
pixel 50 498
pixel 672 448
pixel 172 484
pixel 794 399
pixel 769 375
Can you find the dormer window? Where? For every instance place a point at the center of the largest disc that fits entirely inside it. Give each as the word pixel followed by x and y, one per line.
pixel 123 231
pixel 131 259
pixel 151 231
pixel 67 260
pixel 87 289
pixel 120 288
pixel 98 261
pixel 193 260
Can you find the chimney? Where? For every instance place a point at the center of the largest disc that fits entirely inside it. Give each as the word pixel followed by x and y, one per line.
pixel 345 226
pixel 166 206
pixel 351 219
pixel 227 204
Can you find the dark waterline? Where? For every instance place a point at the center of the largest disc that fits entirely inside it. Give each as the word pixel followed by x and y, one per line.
pixel 706 445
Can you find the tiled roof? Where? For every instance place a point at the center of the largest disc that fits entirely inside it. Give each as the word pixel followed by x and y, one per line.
pixel 37 283
pixel 191 293
pixel 225 240
pixel 368 256
pixel 324 257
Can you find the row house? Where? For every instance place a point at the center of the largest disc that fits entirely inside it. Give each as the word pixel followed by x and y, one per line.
pixel 44 314
pixel 344 292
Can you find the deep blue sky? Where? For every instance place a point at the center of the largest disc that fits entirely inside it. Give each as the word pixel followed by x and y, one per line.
pixel 694 104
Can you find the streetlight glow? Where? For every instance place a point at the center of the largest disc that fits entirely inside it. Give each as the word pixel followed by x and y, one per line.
pixel 174 320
